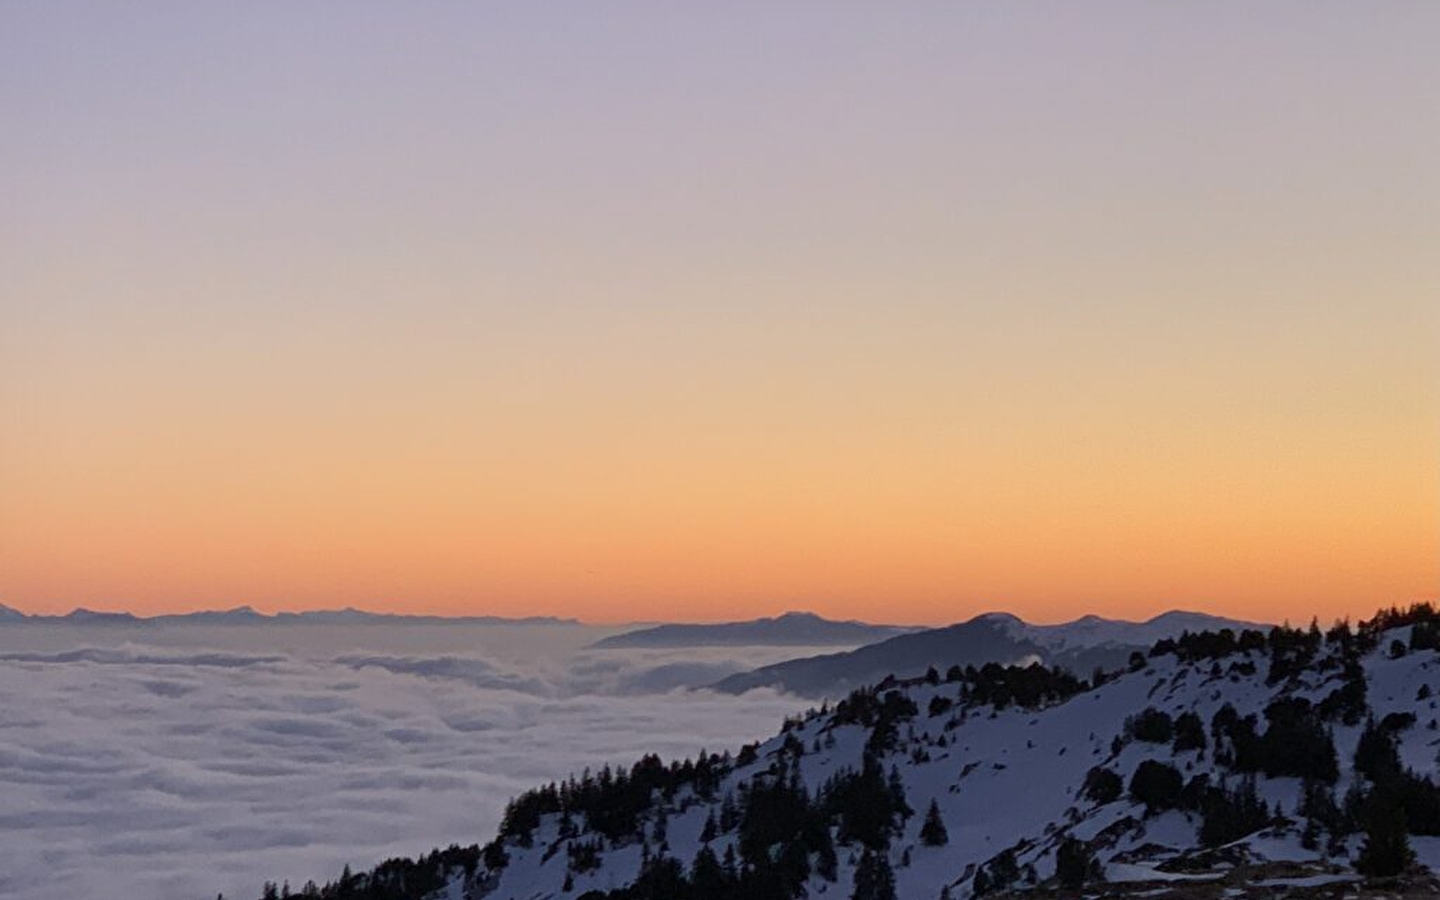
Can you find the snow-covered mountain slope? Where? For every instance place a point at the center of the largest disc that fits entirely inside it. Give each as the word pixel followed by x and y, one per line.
pixel 789 629
pixel 1096 631
pixel 1002 638
pixel 1240 764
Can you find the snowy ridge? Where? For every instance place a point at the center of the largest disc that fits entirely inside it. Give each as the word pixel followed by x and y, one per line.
pixel 996 637
pixel 1095 631
pixel 1008 761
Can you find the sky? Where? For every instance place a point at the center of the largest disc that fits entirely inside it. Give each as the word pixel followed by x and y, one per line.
pixel 652 311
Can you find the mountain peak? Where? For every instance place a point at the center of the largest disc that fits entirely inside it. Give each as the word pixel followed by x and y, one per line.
pixel 794 628
pixel 999 618
pixel 81 614
pixel 1180 615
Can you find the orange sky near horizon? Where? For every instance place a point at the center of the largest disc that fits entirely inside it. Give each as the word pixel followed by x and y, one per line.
pixel 905 318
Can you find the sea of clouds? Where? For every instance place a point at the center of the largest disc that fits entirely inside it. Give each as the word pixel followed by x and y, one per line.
pixel 180 762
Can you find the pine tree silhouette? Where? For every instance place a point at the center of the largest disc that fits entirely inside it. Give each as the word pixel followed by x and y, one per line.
pixel 874 879
pixel 933 833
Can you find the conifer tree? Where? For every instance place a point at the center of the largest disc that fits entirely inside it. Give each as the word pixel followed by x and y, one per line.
pixel 1074 864
pixel 708 879
pixel 728 863
pixel 933 833
pixel 897 794
pixel 874 879
pixel 1386 850
pixel 729 814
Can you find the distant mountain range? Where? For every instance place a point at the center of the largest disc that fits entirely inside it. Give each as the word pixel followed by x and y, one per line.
pixel 1001 638
pixel 793 629
pixel 245 615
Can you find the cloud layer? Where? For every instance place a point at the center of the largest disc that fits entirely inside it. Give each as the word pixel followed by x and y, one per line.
pixel 207 761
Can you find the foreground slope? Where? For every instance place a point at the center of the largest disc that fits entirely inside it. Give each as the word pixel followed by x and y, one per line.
pixel 1221 764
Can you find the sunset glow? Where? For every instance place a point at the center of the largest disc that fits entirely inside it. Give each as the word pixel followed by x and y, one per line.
pixel 369 311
